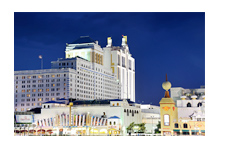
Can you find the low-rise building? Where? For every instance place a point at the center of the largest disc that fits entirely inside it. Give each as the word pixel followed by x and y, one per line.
pixel 88 117
pixel 187 118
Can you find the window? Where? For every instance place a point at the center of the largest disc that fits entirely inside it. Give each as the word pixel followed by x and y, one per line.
pixel 118 63
pixel 114 123
pixel 124 110
pixel 189 105
pixel 123 61
pixel 132 113
pixel 185 125
pixel 166 120
pixel 199 104
pixel 110 123
pixel 176 125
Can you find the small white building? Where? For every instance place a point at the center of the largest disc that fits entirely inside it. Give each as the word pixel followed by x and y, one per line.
pixel 150 116
pixel 190 103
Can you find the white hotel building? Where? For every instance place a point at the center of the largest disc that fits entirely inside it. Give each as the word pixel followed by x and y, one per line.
pixel 88 72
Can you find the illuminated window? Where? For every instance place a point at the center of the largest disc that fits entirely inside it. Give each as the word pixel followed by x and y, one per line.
pixel 23 77
pixel 52 99
pixel 16 86
pixel 28 95
pixel 28 90
pixel 39 76
pixel 29 77
pixel 23 91
pixel 53 85
pixel 117 104
pixel 53 75
pixel 166 120
pixel 47 90
pixel 34 90
pixel 64 84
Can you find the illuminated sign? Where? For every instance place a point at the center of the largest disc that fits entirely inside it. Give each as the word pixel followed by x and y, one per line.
pixel 166 108
pixel 24 119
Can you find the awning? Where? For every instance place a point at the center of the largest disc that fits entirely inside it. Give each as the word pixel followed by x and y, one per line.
pixel 32 131
pixel 185 130
pixel 195 130
pixel 24 131
pixel 41 130
pixel 203 131
pixel 176 130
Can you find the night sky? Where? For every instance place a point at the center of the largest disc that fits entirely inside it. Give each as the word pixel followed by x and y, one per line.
pixel 164 42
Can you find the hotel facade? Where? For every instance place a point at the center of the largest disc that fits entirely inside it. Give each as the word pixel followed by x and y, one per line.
pixel 87 72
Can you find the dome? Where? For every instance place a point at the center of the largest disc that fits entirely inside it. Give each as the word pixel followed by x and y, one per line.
pixel 166 85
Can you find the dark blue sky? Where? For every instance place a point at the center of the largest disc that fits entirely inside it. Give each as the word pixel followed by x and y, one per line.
pixel 164 42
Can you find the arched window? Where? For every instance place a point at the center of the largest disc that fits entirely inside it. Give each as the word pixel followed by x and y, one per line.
pixel 176 125
pixel 44 106
pixel 199 104
pixel 185 125
pixel 189 105
pixel 110 123
pixel 114 123
pixel 166 120
pixel 48 106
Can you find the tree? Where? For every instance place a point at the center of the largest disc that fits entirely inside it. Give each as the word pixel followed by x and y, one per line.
pixel 130 128
pixel 158 127
pixel 141 128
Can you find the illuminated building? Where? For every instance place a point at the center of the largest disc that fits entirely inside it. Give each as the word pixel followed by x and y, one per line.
pixel 188 118
pixel 123 66
pixel 87 72
pixel 92 117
